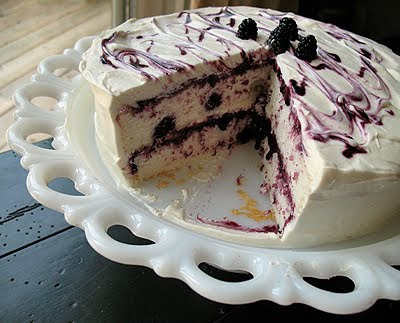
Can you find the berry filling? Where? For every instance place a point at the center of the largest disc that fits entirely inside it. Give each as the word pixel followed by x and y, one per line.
pixel 164 127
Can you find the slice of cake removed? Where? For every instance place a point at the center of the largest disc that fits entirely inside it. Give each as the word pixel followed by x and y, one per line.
pixel 176 88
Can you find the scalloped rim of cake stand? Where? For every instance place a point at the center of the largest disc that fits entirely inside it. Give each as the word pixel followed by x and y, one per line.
pixel 177 252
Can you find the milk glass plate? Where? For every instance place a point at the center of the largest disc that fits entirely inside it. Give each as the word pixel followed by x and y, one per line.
pixel 277 274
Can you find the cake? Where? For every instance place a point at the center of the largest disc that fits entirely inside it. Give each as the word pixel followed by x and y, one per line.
pixel 176 88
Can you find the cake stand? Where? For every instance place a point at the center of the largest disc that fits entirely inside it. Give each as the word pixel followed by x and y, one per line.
pixel 276 274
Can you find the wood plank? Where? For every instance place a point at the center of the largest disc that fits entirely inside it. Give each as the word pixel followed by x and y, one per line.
pixel 61 279
pixel 5 105
pixel 21 65
pixel 10 6
pixel 45 34
pixel 18 12
pixel 7 91
pixel 33 22
pixel 23 220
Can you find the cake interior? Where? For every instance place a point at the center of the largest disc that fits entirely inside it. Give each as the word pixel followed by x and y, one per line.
pixel 210 115
pixel 286 176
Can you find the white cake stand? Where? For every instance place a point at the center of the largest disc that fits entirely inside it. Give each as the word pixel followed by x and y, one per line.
pixel 177 251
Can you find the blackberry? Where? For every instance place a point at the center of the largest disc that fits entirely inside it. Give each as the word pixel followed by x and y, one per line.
pixel 247 29
pixel 307 48
pixel 279 45
pixel 133 166
pixel 280 32
pixel 290 27
pixel 212 80
pixel 166 125
pixel 214 101
pixel 280 37
pixel 224 121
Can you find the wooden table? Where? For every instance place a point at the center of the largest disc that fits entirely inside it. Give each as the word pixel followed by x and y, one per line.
pixel 49 273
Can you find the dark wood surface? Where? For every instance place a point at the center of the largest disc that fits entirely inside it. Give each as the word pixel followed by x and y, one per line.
pixel 49 273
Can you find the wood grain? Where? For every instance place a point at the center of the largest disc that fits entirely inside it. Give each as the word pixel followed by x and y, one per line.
pixel 76 27
pixel 31 30
pixel 35 18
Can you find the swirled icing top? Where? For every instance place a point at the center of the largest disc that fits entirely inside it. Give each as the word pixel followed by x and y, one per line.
pixel 347 99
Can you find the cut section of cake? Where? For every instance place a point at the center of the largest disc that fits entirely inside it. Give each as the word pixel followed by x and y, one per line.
pixel 321 104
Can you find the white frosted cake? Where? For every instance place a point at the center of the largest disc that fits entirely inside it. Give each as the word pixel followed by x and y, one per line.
pixel 320 103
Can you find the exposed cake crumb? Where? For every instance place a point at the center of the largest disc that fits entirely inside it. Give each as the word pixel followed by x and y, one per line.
pixel 250 209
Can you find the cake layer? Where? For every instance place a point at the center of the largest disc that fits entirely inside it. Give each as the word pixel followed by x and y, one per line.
pixel 193 104
pixel 182 148
pixel 288 178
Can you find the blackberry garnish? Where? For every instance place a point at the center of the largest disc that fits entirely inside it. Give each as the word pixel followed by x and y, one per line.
pixel 166 125
pixel 279 45
pixel 214 101
pixel 290 27
pixel 280 37
pixel 307 48
pixel 247 29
